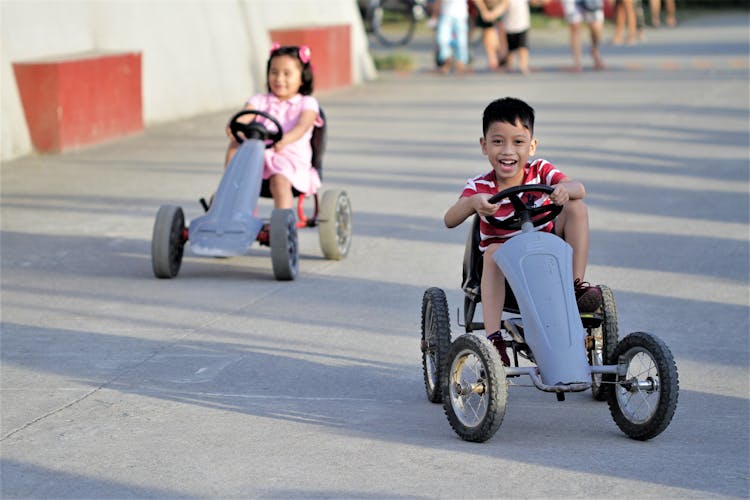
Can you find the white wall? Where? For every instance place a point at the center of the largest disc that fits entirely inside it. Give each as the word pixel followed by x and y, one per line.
pixel 197 55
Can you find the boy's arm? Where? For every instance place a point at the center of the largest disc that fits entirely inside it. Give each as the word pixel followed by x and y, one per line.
pixel 565 190
pixel 466 206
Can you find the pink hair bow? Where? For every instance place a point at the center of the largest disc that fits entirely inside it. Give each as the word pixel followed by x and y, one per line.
pixel 304 54
pixel 275 46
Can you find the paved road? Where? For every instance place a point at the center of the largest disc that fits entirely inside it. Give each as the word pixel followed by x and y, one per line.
pixel 226 383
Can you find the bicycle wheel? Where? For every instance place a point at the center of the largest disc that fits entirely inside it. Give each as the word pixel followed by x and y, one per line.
pixel 393 21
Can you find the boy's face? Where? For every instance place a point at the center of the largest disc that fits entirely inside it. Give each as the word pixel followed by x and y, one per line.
pixel 508 147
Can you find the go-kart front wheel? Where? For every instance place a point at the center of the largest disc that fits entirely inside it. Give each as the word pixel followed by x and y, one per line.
pixel 283 242
pixel 474 388
pixel 644 399
pixel 605 338
pixel 335 224
pixel 436 340
pixel 168 241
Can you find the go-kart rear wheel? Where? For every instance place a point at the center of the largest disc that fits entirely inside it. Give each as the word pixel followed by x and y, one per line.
pixel 436 340
pixel 643 401
pixel 474 388
pixel 605 342
pixel 335 224
pixel 283 242
pixel 168 241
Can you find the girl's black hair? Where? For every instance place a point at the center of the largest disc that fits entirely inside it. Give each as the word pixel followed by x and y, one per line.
pixel 508 110
pixel 307 72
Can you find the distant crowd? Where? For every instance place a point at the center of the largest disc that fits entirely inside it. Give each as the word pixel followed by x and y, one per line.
pixel 505 26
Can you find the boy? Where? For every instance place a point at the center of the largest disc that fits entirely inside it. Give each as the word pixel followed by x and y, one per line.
pixel 509 142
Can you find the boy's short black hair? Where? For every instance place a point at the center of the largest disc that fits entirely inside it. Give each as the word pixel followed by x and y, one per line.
pixel 508 110
pixel 307 71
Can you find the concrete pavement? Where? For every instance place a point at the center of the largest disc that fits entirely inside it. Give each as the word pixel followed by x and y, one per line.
pixel 225 383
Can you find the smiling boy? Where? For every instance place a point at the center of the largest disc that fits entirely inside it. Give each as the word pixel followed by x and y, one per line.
pixel 509 143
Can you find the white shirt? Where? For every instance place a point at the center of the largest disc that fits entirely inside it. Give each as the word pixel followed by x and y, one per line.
pixel 517 18
pixel 454 8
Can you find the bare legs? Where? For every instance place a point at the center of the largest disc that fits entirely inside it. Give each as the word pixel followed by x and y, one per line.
pixel 572 225
pixel 494 46
pixel 670 19
pixel 281 190
pixel 625 18
pixel 595 31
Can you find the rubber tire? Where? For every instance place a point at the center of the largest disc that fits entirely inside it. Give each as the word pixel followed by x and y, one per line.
pixel 436 340
pixel 668 386
pixel 601 384
pixel 335 224
pixel 495 396
pixel 168 242
pixel 284 244
pixel 376 15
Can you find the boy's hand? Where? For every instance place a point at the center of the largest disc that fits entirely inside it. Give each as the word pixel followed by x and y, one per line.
pixel 560 196
pixel 481 206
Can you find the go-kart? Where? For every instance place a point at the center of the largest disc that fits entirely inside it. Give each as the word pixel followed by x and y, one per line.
pixel 230 225
pixel 565 350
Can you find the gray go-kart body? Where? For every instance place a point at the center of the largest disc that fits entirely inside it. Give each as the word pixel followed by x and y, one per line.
pixel 538 266
pixel 230 227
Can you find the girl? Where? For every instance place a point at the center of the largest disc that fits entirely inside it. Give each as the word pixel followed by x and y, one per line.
pixel 287 164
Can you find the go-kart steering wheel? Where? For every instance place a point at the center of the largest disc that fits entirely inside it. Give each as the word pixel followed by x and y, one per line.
pixel 255 129
pixel 538 216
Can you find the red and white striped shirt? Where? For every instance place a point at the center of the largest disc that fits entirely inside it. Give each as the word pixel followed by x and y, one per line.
pixel 537 172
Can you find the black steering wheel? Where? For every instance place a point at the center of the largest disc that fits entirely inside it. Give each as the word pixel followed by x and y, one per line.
pixel 255 129
pixel 538 216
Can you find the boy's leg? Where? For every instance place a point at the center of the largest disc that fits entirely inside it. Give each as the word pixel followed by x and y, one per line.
pixel 572 225
pixel 493 299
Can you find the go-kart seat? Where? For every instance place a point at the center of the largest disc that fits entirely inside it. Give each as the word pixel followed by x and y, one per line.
pixel 472 271
pixel 318 143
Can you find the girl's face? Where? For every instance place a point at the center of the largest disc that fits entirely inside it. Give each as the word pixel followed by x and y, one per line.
pixel 285 76
pixel 508 147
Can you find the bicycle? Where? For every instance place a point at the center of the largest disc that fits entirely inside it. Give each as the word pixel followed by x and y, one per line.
pixel 393 22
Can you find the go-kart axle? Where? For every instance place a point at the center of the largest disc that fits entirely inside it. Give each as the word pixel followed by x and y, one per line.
pixel 468 389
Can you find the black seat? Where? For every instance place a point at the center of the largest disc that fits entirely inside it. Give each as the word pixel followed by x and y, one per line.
pixel 318 143
pixel 472 271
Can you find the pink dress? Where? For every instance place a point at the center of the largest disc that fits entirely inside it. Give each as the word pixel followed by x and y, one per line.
pixel 294 161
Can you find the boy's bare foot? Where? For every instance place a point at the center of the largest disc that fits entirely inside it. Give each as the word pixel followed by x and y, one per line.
pixel 671 21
